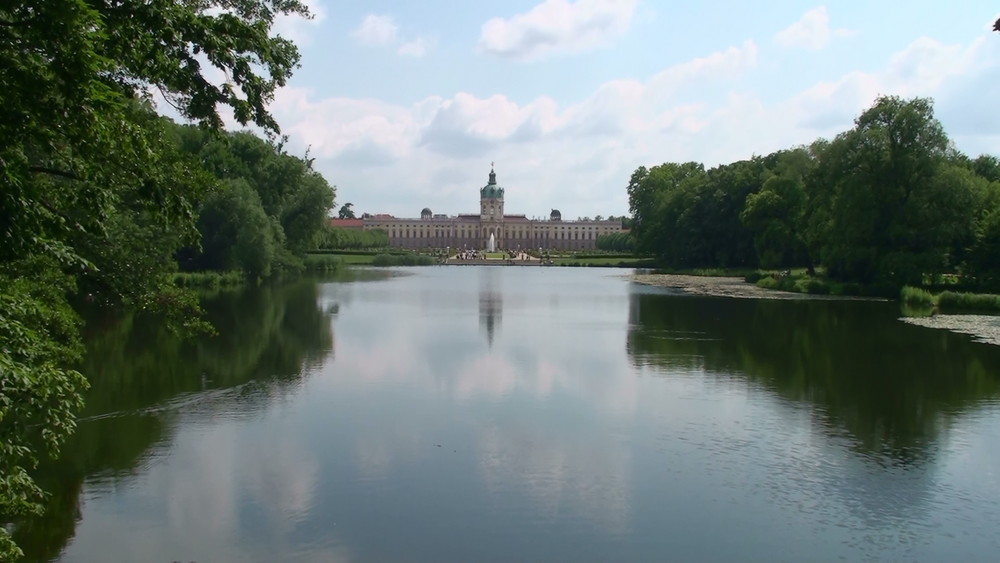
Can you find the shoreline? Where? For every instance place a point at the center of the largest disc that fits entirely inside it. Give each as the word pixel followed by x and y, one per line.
pixel 981 328
pixel 729 286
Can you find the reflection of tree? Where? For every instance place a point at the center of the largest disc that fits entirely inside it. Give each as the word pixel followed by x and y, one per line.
pixel 883 388
pixel 137 370
pixel 891 386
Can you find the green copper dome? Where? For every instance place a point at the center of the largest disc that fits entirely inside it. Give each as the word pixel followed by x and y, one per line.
pixel 491 190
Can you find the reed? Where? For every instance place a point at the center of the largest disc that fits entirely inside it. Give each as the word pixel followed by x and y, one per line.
pixel 915 296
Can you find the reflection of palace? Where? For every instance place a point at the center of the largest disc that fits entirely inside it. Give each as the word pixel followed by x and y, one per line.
pixel 490 305
pixel 474 230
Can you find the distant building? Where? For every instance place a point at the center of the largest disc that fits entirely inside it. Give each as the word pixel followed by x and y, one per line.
pixel 473 230
pixel 347 223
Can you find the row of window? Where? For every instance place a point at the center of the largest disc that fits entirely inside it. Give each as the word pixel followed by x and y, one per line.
pixel 538 228
pixel 513 235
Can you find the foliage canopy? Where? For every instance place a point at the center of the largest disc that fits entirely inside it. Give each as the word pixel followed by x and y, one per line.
pixel 884 204
pixel 93 195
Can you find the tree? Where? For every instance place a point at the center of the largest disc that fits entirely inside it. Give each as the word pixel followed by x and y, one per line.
pixel 285 187
pixel 81 156
pixel 987 166
pixel 777 213
pixel 692 217
pixel 238 234
pixel 647 191
pixel 894 206
pixel 616 242
pixel 346 212
pixel 774 214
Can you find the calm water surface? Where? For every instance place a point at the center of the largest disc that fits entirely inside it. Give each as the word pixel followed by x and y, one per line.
pixel 468 413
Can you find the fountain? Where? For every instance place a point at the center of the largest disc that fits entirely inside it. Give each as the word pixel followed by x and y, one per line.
pixel 491 246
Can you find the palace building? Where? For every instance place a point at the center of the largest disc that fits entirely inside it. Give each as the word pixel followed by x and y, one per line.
pixel 473 230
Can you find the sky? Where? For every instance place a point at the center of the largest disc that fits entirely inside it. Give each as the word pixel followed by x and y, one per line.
pixel 405 105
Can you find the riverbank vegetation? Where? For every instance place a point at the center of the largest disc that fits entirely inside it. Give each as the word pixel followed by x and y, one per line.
pixel 616 260
pixel 886 204
pixel 921 299
pixel 209 280
pixel 263 209
pixel 408 259
pixel 103 200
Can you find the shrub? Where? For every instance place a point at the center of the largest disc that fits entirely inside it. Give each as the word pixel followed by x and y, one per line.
pixel 851 288
pixel 780 283
pixel 209 280
pixel 323 262
pixel 817 287
pixel 916 296
pixel 974 301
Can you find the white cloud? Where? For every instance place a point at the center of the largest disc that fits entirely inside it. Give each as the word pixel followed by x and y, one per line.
pixel 469 125
pixel 297 29
pixel 556 26
pixel 811 32
pixel 578 156
pixel 378 131
pixel 719 65
pixel 376 30
pixel 381 31
pixel 926 63
pixel 416 48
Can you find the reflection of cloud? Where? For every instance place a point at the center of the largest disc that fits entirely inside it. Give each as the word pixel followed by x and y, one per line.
pixel 381 341
pixel 227 497
pixel 559 473
pixel 412 338
pixel 377 449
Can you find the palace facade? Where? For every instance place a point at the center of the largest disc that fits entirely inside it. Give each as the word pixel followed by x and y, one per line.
pixel 473 230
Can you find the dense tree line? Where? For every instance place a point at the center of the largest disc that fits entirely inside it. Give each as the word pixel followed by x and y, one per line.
pixel 98 193
pixel 265 210
pixel 616 242
pixel 887 203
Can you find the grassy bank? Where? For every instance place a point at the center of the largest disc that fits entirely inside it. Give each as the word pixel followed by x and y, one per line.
pixel 324 262
pixel 383 257
pixel 403 260
pixel 798 280
pixel 603 260
pixel 209 280
pixel 707 272
pixel 919 298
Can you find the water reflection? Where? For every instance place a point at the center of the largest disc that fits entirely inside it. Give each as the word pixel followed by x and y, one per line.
pixel 490 302
pixel 515 413
pixel 891 387
pixel 146 383
pixel 857 377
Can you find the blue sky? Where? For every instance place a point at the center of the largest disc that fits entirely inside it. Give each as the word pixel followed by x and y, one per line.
pixel 404 105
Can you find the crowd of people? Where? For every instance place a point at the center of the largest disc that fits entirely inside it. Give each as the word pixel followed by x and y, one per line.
pixel 509 255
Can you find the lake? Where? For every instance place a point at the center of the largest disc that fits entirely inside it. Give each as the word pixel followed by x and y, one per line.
pixel 461 413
